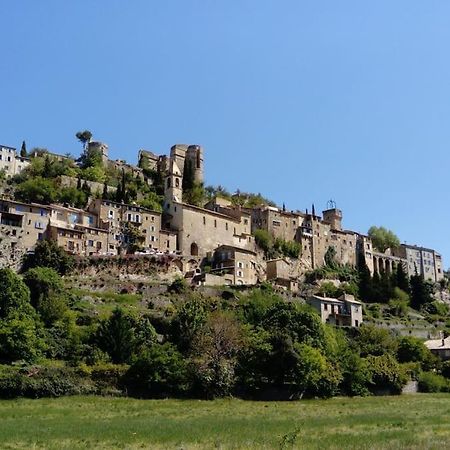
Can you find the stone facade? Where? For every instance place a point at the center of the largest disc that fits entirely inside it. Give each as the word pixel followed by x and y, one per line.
pixel 237 263
pixel 10 162
pixel 112 216
pixel 423 261
pixel 345 311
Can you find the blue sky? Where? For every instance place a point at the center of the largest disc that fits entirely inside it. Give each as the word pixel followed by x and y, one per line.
pixel 302 101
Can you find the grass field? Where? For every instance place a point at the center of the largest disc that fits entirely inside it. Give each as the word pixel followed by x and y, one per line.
pixel 409 421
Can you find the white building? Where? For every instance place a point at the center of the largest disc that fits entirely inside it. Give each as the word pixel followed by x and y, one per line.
pixel 10 162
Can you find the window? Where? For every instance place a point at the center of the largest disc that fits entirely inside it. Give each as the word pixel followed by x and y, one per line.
pixel 325 307
pixel 152 238
pixel 226 226
pixel 245 221
pixel 90 243
pixel 152 228
pixel 240 265
pixel 130 217
pixel 239 273
pixel 204 220
pixel 138 218
pixel 215 223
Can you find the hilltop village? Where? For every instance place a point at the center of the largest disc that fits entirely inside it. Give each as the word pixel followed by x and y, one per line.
pixel 216 242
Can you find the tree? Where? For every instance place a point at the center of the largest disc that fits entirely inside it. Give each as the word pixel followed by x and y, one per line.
pixel 37 190
pixel 48 254
pixel 84 137
pixel 401 279
pixel 411 349
pixel 158 372
pixel 314 374
pixel 375 341
pixel 14 293
pixel 215 350
pixel 330 257
pixel 382 238
pixel 365 283
pixel 20 337
pixel 133 237
pixel 421 292
pixel 190 317
pixel 23 150
pixel 116 336
pixel 48 295
pixel 386 373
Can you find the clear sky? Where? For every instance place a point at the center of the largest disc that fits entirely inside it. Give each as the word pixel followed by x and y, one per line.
pixel 302 101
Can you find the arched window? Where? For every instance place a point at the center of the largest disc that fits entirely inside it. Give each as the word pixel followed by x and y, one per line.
pixel 177 182
pixel 194 249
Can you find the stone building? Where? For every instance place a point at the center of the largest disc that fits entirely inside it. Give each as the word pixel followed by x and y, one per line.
pixel 199 230
pixel 345 311
pixel 423 261
pixel 236 264
pixel 279 223
pixel 282 273
pixel 113 216
pixel 10 162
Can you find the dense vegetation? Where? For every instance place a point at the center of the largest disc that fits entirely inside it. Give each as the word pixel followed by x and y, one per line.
pixel 251 344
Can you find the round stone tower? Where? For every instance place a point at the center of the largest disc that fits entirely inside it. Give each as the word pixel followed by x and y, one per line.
pixel 194 155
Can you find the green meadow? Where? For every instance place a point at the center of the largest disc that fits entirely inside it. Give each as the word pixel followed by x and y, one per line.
pixel 410 421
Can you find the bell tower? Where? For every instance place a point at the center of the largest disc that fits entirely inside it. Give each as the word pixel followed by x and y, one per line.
pixel 173 181
pixel 333 216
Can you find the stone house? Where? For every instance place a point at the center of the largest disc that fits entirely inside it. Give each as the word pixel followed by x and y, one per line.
pixel 345 311
pixel 237 264
pixel 439 347
pixel 425 261
pixel 282 273
pixel 113 216
pixel 10 162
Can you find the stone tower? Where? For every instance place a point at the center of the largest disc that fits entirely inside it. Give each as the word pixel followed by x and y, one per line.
pixel 333 216
pixel 194 157
pixel 102 147
pixel 173 181
pixel 178 154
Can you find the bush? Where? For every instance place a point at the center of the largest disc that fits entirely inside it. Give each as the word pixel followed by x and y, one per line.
pixel 159 372
pixel 432 382
pixel 386 374
pixel 37 382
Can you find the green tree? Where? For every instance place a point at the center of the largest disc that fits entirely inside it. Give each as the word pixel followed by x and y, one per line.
pixel 72 197
pixel 48 294
pixel 23 150
pixel 189 318
pixel 14 293
pixel 375 341
pixel 133 237
pixel 20 337
pixel 37 190
pixel 158 372
pixel 421 292
pixel 382 238
pixel 411 349
pixel 48 254
pixel 386 373
pixel 314 375
pixel 116 336
pixel 84 137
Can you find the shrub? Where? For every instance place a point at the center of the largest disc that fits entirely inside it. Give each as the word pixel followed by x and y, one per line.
pixel 159 372
pixel 386 374
pixel 432 382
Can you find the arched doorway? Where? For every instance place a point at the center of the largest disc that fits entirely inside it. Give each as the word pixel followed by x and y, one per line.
pixel 194 249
